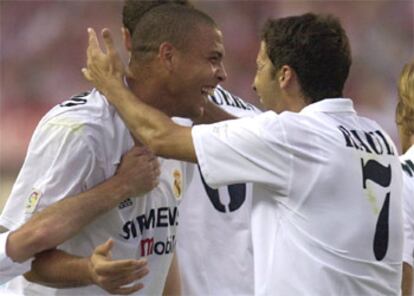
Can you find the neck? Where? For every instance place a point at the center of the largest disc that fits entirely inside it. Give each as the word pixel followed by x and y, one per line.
pixel 151 91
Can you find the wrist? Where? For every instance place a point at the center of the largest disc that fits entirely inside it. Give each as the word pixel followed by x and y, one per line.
pixel 120 190
pixel 111 88
pixel 91 277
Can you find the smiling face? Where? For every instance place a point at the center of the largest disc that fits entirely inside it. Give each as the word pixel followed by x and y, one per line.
pixel 197 69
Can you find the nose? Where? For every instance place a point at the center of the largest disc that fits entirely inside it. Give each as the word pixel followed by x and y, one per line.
pixel 254 87
pixel 221 73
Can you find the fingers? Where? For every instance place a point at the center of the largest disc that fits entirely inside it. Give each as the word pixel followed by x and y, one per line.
pixel 109 43
pixel 93 44
pixel 119 267
pixel 86 74
pixel 105 248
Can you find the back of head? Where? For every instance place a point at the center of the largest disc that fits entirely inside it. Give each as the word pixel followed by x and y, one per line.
pixel 405 107
pixel 316 47
pixel 172 23
pixel 133 10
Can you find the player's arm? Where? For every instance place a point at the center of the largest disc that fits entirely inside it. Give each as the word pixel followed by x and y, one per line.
pixel 153 127
pixel 137 174
pixel 58 269
pixel 407 280
pixel 173 283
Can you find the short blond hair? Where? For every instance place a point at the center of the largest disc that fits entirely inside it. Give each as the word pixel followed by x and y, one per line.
pixel 405 107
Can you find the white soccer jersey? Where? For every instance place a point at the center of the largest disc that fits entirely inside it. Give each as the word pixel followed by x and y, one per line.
pixel 77 145
pixel 8 268
pixel 214 245
pixel 408 205
pixel 326 217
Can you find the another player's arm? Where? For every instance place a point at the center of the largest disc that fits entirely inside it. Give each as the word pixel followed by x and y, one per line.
pixel 137 174
pixel 407 280
pixel 58 269
pixel 173 283
pixel 151 126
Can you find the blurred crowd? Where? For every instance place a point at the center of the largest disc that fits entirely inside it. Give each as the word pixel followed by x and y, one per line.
pixel 42 49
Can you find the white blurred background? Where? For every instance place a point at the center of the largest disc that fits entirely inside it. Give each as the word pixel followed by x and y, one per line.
pixel 42 49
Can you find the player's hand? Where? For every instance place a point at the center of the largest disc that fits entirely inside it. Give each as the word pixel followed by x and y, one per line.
pixel 104 70
pixel 116 276
pixel 139 171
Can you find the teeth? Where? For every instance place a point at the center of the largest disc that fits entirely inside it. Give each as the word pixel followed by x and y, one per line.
pixel 208 91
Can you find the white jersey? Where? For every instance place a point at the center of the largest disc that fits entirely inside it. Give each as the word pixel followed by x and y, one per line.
pixel 77 145
pixel 8 268
pixel 214 245
pixel 408 205
pixel 326 216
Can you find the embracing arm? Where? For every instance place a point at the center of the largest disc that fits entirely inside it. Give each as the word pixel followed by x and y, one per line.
pixel 57 269
pixel 151 126
pixel 137 174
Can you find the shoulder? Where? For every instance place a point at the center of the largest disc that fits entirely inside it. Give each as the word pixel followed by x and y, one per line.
pixel 88 112
pixel 232 103
pixel 85 107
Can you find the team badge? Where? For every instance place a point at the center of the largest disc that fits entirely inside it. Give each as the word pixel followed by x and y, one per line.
pixel 177 184
pixel 32 201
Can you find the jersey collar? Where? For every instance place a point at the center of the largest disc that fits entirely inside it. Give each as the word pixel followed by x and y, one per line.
pixel 331 105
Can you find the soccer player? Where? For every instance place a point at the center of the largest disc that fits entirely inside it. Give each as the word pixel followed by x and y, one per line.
pixel 405 122
pixel 86 137
pixel 326 217
pixel 213 222
pixel 47 229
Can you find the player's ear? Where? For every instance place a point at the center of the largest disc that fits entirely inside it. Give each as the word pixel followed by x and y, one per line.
pixel 286 75
pixel 166 53
pixel 126 36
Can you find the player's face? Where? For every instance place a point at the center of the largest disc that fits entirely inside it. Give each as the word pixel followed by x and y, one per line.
pixel 198 70
pixel 265 83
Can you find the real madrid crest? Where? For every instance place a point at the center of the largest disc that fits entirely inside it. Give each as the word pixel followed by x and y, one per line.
pixel 177 183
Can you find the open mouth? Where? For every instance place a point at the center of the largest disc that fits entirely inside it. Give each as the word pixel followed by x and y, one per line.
pixel 207 91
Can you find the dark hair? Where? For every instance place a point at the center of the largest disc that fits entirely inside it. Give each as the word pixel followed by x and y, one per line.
pixel 133 10
pixel 172 23
pixel 316 47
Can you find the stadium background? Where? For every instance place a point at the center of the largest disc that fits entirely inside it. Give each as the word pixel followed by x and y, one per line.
pixel 42 49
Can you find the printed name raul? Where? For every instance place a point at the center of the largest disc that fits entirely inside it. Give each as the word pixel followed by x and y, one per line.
pixel 369 141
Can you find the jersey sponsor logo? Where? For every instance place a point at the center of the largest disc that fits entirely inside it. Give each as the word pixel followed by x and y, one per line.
pixel 371 142
pixel 148 246
pixel 32 201
pixel 155 218
pixel 177 184
pixel 408 167
pixel 222 97
pixel 126 203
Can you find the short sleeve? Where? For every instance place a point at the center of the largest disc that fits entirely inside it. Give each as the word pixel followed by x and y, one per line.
pixel 250 149
pixel 59 163
pixel 408 215
pixel 8 268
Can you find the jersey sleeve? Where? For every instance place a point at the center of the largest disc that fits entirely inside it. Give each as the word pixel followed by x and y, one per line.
pixel 252 149
pixel 408 216
pixel 8 268
pixel 59 163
